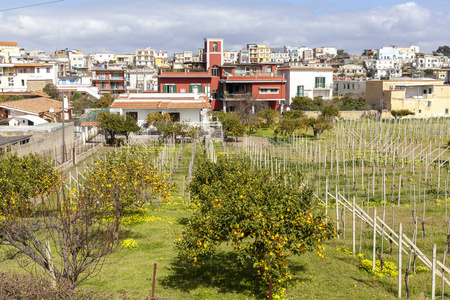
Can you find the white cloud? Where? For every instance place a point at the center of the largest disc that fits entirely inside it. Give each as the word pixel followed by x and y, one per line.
pixel 123 26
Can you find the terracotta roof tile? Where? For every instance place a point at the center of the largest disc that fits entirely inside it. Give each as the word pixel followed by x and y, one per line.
pixel 34 105
pixel 8 44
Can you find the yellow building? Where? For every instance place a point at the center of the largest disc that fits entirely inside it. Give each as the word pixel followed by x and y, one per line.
pixel 7 49
pixel 424 97
pixel 259 53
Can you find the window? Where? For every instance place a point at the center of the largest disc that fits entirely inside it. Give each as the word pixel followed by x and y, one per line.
pixel 215 71
pixel 38 70
pixel 300 90
pixel 103 86
pixel 195 88
pixel 429 103
pixel 169 88
pixel 446 111
pixel 268 90
pixel 320 82
pixel 215 47
pixel 23 82
pixel 48 70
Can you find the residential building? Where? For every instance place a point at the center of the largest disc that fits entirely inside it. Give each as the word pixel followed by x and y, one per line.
pixel 125 60
pixel 279 57
pixel 244 56
pixel 325 52
pixel 431 62
pixel 250 82
pixel 102 57
pixel 8 49
pixel 348 86
pixel 299 53
pixel 141 79
pixel 259 53
pixel 109 80
pixel 77 61
pixel 352 70
pixel 77 83
pixel 161 59
pixel 425 97
pixel 230 57
pixel 188 107
pixel 42 107
pixel 307 81
pixel 26 77
pixel 145 57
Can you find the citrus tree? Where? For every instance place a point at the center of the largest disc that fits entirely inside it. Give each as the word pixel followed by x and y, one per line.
pixel 70 233
pixel 116 124
pixel 262 217
pixel 319 125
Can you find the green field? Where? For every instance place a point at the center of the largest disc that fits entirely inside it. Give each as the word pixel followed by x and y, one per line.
pixel 399 168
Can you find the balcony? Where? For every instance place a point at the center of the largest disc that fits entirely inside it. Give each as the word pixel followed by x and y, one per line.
pixel 325 87
pixel 235 96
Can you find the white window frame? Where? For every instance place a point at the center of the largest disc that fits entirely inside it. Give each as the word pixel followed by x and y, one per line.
pixel 269 90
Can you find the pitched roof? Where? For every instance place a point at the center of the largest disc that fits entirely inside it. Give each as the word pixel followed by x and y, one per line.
pixel 161 100
pixel 8 44
pixel 34 105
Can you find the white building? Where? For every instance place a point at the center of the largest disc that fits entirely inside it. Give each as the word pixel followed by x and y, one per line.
pixel 7 49
pixel 230 57
pixel 101 57
pixel 188 107
pixel 431 62
pixel 308 82
pixel 279 57
pixel 244 56
pixel 353 88
pixel 77 60
pixel 26 77
pixel 352 70
pixel 145 57
pixel 80 84
pixel 298 53
pixel 141 79
pixel 325 52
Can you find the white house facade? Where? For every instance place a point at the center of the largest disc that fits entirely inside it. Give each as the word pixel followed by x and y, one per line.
pixel 308 82
pixel 188 107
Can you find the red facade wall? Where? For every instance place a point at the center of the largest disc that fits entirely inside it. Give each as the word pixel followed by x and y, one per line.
pixel 281 90
pixel 184 82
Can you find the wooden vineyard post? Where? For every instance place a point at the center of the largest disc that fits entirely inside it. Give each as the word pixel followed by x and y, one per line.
pixel 433 274
pixel 50 264
pixel 326 201
pixel 337 214
pixel 353 227
pixel 154 281
pixel 374 250
pixel 400 233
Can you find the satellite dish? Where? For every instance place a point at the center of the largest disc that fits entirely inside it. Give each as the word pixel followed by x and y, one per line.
pixel 51 110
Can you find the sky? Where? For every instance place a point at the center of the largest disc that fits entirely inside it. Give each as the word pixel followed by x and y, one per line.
pixel 122 26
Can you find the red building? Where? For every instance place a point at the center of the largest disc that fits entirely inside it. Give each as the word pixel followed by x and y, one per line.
pixel 110 80
pixel 226 84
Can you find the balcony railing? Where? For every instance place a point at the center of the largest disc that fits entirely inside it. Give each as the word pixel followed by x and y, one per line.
pixel 235 96
pixel 324 87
